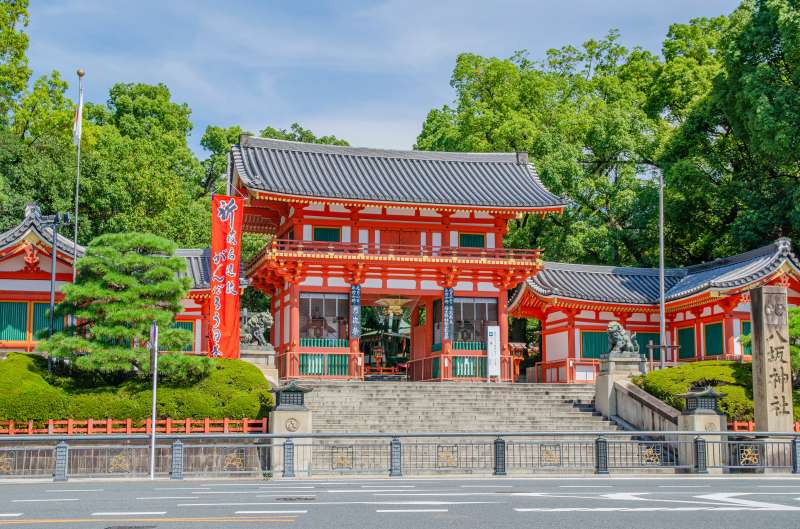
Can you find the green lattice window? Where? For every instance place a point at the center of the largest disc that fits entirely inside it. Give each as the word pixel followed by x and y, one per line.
pixel 471 240
pixel 327 234
pixel 41 321
pixel 312 364
pixel 686 342
pixel 643 338
pixel 436 368
pixel 715 344
pixel 746 326
pixel 322 342
pixel 188 326
pixel 338 365
pixel 13 320
pixel 594 344
pixel 469 367
pixel 469 346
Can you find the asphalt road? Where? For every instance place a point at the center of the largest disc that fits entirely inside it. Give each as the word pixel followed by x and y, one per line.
pixel 584 502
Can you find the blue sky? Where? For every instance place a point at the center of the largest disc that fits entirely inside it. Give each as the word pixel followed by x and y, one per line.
pixel 368 72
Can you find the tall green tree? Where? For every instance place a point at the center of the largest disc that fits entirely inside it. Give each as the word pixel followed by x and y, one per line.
pixel 581 115
pixel 14 70
pixel 125 281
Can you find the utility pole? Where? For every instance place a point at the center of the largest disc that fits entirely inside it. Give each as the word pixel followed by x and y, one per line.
pixel 662 324
pixel 154 368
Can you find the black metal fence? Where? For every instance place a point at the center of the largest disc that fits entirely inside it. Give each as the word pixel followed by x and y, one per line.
pixel 486 453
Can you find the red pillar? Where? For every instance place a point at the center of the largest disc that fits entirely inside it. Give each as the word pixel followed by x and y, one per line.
pixel 698 339
pixel 572 352
pixel 294 329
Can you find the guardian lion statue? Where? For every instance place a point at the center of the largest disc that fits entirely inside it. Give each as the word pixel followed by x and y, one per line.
pixel 254 329
pixel 622 341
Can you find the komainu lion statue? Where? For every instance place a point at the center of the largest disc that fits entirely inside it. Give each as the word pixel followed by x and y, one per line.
pixel 622 342
pixel 254 329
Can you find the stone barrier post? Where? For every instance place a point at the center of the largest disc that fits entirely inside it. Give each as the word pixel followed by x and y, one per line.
pixel 291 416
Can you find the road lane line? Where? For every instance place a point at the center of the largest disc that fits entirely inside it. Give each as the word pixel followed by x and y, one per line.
pixel 242 504
pixel 586 486
pixel 207 519
pixel 270 512
pixel 140 513
pixel 182 488
pixel 410 510
pixel 488 493
pixel 388 486
pixel 166 498
pixel 74 490
pixel 684 486
pixel 265 491
pixel 487 486
pixel 45 499
pixel 10 514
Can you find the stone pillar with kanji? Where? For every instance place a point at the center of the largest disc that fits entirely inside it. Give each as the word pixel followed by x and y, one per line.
pixel 772 374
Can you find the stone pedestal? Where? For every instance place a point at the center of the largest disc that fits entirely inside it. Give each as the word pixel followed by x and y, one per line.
pixel 714 450
pixel 263 359
pixel 772 374
pixel 614 368
pixel 291 416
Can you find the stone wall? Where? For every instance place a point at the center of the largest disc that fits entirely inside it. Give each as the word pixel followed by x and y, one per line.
pixel 641 410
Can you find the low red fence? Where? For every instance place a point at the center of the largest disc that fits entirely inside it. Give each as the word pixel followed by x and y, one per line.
pixel 130 426
pixel 750 426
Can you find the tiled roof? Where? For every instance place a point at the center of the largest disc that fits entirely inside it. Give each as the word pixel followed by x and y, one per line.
pixel 501 180
pixel 198 268
pixel 33 223
pixel 609 284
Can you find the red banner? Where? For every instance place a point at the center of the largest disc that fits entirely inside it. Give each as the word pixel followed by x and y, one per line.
pixel 227 214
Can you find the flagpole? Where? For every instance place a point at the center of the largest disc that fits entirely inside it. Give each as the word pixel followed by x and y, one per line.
pixel 79 125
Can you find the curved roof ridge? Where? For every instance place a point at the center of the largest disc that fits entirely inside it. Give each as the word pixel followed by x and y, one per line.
pixel 606 269
pixel 373 152
pixel 779 247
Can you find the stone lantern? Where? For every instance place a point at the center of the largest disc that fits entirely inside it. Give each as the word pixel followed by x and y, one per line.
pixel 701 414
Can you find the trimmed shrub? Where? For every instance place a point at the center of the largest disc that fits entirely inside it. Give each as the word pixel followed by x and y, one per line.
pixel 732 378
pixel 233 389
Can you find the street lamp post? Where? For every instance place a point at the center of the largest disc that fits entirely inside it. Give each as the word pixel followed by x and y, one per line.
pixel 662 324
pixel 53 221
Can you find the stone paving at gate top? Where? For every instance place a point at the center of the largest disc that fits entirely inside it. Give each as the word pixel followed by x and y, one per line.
pixel 503 502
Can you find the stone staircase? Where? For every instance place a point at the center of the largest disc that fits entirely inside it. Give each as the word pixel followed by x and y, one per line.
pixel 400 407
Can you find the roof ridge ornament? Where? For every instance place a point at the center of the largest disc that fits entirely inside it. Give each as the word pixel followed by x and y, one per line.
pixel 33 211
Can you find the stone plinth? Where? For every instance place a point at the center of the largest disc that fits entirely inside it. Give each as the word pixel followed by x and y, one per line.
pixel 701 414
pixel 263 359
pixel 291 416
pixel 772 380
pixel 612 369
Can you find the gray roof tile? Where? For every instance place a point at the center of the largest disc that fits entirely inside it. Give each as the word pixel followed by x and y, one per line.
pixel 625 285
pixel 198 268
pixel 33 222
pixel 412 177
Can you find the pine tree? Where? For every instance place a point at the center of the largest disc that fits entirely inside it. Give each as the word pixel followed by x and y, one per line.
pixel 124 282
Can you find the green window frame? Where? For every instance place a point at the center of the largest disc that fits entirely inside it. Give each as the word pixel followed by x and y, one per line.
pixel 41 321
pixel 686 342
pixel 594 344
pixel 472 240
pixel 746 330
pixel 13 320
pixel 642 338
pixel 327 234
pixel 714 340
pixel 189 326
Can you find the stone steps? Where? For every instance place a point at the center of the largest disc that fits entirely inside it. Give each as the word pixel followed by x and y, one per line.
pixel 400 407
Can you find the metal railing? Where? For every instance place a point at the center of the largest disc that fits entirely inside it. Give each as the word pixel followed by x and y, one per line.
pixel 366 250
pixel 476 453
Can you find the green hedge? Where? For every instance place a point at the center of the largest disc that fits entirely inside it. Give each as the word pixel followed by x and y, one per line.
pixel 234 389
pixel 732 378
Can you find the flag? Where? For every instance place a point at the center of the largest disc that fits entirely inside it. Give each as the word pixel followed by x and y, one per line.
pixel 227 214
pixel 77 122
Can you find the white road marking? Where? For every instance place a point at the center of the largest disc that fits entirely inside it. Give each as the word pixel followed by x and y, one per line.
pixel 488 493
pixel 410 510
pixel 487 486
pixel 135 513
pixel 283 491
pixel 684 486
pixel 618 509
pixel 74 490
pixel 47 499
pixel 586 486
pixel 10 514
pixel 360 491
pixel 733 498
pixel 271 512
pixel 182 488
pixel 236 504
pixel 388 486
pixel 166 498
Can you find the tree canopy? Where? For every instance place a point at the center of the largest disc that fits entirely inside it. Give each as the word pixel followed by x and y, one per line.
pixel 126 281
